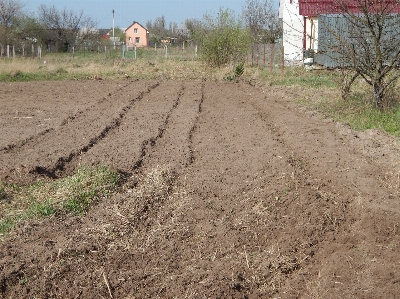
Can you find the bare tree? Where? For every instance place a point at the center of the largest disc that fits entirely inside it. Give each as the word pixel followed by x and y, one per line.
pixel 364 37
pixel 182 33
pixel 68 27
pixel 10 10
pixel 192 24
pixel 172 27
pixel 262 21
pixel 157 29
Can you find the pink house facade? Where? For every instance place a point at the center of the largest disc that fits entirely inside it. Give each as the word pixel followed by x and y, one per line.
pixel 136 35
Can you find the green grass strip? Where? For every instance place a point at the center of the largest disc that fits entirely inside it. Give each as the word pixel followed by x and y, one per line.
pixel 73 194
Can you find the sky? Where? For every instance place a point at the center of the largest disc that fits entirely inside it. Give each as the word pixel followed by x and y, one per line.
pixel 126 12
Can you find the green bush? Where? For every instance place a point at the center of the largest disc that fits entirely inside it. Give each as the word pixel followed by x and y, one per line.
pixel 223 39
pixel 237 73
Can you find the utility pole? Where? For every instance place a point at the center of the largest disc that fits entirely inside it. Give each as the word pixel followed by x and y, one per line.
pixel 113 28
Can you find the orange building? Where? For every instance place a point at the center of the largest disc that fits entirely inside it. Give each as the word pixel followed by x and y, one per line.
pixel 136 35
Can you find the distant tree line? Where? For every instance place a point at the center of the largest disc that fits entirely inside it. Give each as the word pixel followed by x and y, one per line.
pixel 259 19
pixel 224 37
pixel 61 29
pixel 57 29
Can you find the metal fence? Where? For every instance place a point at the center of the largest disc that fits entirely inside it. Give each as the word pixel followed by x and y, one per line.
pixel 338 32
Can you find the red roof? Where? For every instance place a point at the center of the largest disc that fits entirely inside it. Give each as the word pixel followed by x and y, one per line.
pixel 316 7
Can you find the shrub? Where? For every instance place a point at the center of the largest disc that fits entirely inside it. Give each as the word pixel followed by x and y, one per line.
pixel 222 39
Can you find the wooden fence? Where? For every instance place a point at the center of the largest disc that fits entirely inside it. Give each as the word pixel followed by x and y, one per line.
pixel 266 55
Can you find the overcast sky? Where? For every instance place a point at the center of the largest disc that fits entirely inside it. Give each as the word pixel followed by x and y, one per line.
pixel 139 10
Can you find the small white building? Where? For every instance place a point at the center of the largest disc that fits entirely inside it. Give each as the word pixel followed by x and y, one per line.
pixel 292 27
pixel 300 22
pixel 300 33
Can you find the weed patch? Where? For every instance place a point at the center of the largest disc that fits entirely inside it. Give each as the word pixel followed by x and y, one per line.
pixel 310 79
pixel 361 114
pixel 73 194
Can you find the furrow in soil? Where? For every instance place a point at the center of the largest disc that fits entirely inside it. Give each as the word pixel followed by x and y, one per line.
pixel 51 154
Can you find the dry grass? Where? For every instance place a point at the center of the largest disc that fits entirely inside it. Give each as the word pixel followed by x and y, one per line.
pixel 155 185
pixel 53 67
pixel 62 66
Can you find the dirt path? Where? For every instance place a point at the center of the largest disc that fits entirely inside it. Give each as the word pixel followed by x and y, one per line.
pixel 231 191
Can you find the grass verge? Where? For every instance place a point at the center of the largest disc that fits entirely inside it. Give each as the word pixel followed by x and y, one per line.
pixel 73 194
pixel 150 64
pixel 295 76
pixel 361 114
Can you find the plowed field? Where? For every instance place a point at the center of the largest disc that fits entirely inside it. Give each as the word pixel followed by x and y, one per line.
pixel 229 191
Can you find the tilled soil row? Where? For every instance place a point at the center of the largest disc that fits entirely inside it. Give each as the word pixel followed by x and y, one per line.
pixel 356 185
pixel 144 125
pixel 31 108
pixel 230 192
pixel 55 152
pixel 342 205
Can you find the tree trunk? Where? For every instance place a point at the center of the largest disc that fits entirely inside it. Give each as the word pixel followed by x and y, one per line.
pixel 347 81
pixel 378 94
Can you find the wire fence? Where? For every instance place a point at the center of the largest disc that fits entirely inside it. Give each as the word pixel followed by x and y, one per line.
pixel 261 55
pixel 21 50
pixel 159 51
pixel 182 51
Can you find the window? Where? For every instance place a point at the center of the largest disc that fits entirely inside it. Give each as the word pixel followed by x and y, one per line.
pixel 137 40
pixel 135 30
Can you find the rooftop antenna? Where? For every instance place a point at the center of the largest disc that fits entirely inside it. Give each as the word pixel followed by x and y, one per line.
pixel 113 28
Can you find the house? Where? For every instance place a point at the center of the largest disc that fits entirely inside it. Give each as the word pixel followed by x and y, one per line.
pixel 300 28
pixel 300 24
pixel 136 35
pixel 111 36
pixel 293 30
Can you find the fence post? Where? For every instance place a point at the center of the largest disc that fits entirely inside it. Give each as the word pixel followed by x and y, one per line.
pixel 252 54
pixel 39 52
pixel 8 51
pixel 283 61
pixel 264 55
pixel 13 51
pixel 272 48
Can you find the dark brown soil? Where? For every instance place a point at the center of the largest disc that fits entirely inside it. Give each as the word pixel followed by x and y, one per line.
pixel 230 191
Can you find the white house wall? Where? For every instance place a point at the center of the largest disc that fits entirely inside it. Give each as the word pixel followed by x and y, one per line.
pixel 293 27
